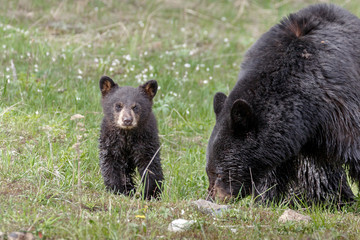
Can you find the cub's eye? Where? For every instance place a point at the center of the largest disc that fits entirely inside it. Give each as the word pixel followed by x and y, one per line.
pixel 135 108
pixel 118 107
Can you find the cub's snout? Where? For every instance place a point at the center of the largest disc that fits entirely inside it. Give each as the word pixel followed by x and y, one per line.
pixel 126 117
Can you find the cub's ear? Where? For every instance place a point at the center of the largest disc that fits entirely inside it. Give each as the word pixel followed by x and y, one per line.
pixel 150 88
pixel 219 100
pixel 241 113
pixel 106 84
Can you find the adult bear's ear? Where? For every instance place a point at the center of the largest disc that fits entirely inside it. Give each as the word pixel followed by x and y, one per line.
pixel 106 84
pixel 150 88
pixel 241 113
pixel 219 100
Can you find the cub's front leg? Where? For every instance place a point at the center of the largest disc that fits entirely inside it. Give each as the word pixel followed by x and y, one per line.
pixel 115 172
pixel 149 166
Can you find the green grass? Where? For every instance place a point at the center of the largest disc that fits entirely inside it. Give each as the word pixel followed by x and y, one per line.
pixel 52 56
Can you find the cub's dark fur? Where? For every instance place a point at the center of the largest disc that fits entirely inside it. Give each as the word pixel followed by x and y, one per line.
pixel 292 121
pixel 129 138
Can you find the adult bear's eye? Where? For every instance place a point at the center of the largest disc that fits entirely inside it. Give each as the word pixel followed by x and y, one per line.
pixel 118 107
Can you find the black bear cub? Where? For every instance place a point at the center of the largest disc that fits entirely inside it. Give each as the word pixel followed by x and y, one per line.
pixel 129 138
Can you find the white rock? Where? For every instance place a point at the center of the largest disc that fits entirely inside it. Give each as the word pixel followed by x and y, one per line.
pixel 209 207
pixel 291 215
pixel 180 225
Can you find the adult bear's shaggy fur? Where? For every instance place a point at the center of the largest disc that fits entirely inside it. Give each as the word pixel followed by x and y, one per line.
pixel 292 121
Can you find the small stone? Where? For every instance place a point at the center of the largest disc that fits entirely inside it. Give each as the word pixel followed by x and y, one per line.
pixel 180 225
pixel 20 236
pixel 210 208
pixel 291 215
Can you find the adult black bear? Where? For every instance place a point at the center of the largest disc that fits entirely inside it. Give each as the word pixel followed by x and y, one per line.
pixel 129 138
pixel 292 121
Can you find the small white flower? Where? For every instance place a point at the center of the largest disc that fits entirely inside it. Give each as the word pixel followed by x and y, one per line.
pixel 187 65
pixel 127 57
pixel 96 60
pixel 205 82
pixel 226 40
pixel 223 19
pixel 111 69
pixel 79 71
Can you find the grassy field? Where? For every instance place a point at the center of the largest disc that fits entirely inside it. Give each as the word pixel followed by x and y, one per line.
pixel 52 56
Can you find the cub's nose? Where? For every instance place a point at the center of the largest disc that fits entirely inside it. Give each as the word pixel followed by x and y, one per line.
pixel 127 121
